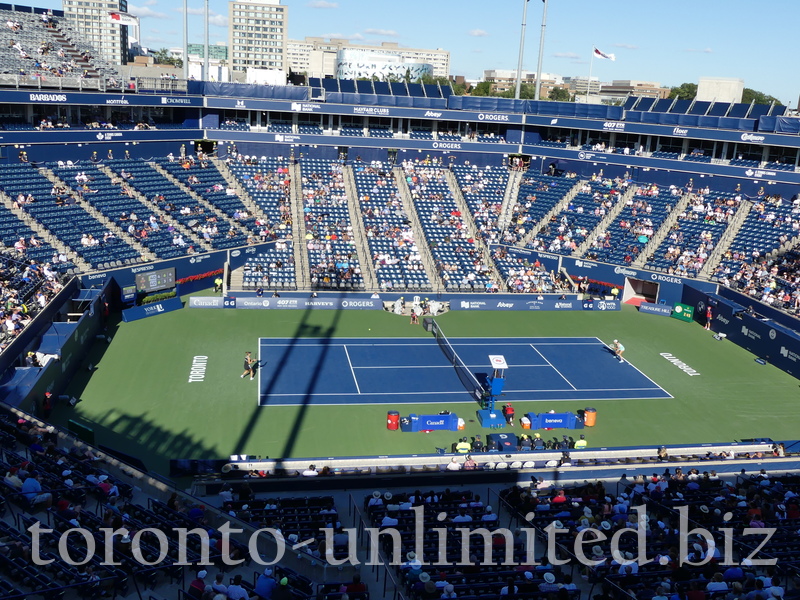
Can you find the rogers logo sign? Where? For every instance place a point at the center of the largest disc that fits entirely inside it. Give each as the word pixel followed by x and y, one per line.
pixel 491 117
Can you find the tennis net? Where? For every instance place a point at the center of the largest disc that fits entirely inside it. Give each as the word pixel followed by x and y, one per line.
pixel 468 380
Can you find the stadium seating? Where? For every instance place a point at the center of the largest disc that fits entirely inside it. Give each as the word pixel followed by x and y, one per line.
pixel 571 226
pixel 271 269
pixel 110 200
pixel 483 190
pixel 329 232
pixel 632 229
pixel 203 177
pixel 458 262
pixel 69 221
pixel 696 232
pixel 537 195
pixel 398 264
pixel 33 50
pixel 267 184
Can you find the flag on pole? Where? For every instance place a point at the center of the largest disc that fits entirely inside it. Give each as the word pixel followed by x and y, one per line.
pixel 601 54
pixel 122 18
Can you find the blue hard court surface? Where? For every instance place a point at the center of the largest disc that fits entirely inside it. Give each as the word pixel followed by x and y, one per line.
pixel 342 371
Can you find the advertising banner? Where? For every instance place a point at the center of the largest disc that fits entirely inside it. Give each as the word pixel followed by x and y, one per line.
pixel 655 309
pixel 151 310
pixel 531 302
pixel 683 312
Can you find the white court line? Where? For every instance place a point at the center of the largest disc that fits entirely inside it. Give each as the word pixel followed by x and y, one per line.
pixel 432 344
pixel 510 337
pixel 640 372
pixel 445 366
pixel 554 369
pixel 351 369
pixel 258 401
pixel 465 402
pixel 504 391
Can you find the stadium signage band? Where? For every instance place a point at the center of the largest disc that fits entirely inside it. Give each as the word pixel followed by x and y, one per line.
pixel 352 109
pixel 286 303
pixel 522 302
pixel 675 130
pixel 655 309
pixel 97 98
pixel 225 135
pixel 87 136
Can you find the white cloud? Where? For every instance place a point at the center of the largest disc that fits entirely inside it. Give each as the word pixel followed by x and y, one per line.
pixel 218 20
pixel 193 11
pixel 323 4
pixel 343 36
pixel 478 33
pixel 627 46
pixel 381 32
pixel 701 50
pixel 566 55
pixel 150 2
pixel 144 12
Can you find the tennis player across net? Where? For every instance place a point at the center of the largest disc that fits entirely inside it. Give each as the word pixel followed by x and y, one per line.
pixel 468 380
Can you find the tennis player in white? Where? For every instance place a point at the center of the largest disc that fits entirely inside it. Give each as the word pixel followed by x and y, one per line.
pixel 618 350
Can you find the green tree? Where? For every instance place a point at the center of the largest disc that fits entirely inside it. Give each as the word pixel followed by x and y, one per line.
pixel 685 91
pixel 750 95
pixel 484 88
pixel 163 57
pixel 559 94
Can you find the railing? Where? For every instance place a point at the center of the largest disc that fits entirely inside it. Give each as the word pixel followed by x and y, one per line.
pixel 157 85
pixel 57 83
pixel 382 570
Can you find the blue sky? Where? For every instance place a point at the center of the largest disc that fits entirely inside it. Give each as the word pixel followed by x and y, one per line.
pixel 668 42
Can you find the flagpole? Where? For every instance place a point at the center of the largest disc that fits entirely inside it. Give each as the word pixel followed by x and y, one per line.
pixel 521 48
pixel 185 40
pixel 541 53
pixel 589 83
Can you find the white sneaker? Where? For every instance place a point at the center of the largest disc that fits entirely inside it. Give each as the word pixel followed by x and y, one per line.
pixel 242 376
pixel 251 379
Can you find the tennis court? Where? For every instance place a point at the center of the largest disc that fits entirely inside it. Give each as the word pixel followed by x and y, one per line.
pixel 347 371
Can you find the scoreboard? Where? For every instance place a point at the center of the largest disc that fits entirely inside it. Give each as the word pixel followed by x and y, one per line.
pixel 155 280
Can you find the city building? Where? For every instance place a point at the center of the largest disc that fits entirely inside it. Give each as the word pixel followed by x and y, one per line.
pixel 92 20
pixel 317 57
pixel 504 80
pixel 720 89
pixel 619 89
pixel 257 34
pixel 580 85
pixel 361 64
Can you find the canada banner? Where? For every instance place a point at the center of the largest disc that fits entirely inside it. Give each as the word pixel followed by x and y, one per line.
pixel 122 18
pixel 600 54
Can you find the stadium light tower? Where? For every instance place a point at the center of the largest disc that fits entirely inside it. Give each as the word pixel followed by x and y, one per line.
pixel 185 40
pixel 521 48
pixel 541 53
pixel 207 50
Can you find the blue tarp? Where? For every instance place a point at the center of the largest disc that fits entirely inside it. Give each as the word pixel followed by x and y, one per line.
pixel 786 124
pixel 54 338
pixel 485 104
pixel 248 90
